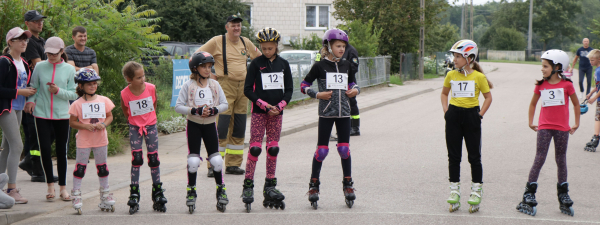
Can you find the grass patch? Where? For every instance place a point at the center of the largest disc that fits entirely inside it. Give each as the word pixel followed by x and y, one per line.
pixel 396 79
pixel 508 61
pixel 430 75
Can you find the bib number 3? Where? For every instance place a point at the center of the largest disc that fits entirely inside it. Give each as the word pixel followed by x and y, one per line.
pixel 553 97
pixel 141 106
pixel 93 110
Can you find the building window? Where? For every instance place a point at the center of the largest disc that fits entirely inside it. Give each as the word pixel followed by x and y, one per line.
pixel 317 17
pixel 248 14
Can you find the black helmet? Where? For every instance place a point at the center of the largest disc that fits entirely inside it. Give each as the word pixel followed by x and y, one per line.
pixel 200 58
pixel 267 34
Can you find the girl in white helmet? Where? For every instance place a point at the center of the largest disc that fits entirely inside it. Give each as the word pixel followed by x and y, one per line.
pixel 554 90
pixel 463 119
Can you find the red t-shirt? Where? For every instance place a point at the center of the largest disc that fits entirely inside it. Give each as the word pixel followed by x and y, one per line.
pixel 555 117
pixel 143 118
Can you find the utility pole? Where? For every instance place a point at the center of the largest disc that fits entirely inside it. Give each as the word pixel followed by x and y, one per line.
pixel 422 42
pixel 529 35
pixel 462 22
pixel 471 19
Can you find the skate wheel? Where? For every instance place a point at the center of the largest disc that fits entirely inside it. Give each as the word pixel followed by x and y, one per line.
pixel 282 205
pixel 349 203
pixel 164 208
pixel 265 204
pixel 79 211
pixel 248 207
pixel 473 208
pixel 191 209
pixel 314 205
pixel 131 211
pixel 112 208
pixel 271 205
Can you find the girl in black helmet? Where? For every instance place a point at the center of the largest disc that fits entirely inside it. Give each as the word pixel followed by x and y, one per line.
pixel 269 86
pixel 201 99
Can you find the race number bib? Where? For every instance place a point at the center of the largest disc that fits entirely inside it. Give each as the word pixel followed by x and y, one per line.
pixel 271 81
pixel 141 106
pixel 203 96
pixel 93 110
pixel 553 97
pixel 463 89
pixel 337 81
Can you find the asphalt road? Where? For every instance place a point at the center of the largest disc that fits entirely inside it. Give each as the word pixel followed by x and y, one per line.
pixel 399 168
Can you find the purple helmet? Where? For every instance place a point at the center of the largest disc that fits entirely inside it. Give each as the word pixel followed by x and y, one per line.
pixel 335 34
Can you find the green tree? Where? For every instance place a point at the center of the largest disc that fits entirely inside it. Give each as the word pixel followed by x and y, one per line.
pixel 312 42
pixel 11 15
pixel 194 20
pixel 554 19
pixel 441 38
pixel 503 38
pixel 399 19
pixel 363 37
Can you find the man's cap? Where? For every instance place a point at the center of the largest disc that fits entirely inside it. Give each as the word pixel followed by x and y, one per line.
pixel 33 15
pixel 54 45
pixel 234 18
pixel 17 32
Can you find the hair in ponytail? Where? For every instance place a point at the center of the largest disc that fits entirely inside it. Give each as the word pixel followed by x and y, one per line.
pixel 6 50
pixel 476 66
pixel 79 89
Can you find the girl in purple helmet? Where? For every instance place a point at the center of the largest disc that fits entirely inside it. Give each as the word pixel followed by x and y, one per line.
pixel 336 84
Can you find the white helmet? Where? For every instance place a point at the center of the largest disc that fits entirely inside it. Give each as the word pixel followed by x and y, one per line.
pixel 466 48
pixel 557 57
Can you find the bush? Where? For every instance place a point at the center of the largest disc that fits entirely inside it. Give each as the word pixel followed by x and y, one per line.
pixel 313 42
pixel 502 38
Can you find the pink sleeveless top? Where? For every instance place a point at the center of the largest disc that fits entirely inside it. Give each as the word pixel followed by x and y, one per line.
pixel 143 120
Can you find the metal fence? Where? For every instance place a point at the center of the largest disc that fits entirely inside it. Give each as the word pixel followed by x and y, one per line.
pixel 409 64
pixel 371 71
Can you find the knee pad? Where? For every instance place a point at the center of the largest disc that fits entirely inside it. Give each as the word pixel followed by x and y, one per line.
pixel 321 152
pixel 102 170
pixel 216 161
pixel 273 148
pixel 344 150
pixel 239 125
pixel 194 162
pixel 153 160
pixel 79 171
pixel 223 125
pixel 137 158
pixel 254 153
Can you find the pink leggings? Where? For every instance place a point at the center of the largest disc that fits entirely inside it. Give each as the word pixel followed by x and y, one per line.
pixel 272 125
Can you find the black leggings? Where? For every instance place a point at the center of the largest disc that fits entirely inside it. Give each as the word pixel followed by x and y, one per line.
pixel 342 125
pixel 60 129
pixel 195 134
pixel 353 106
pixel 463 123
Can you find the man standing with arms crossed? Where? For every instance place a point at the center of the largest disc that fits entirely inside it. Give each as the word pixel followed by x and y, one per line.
pixel 585 68
pixel 33 54
pixel 79 55
pixel 231 52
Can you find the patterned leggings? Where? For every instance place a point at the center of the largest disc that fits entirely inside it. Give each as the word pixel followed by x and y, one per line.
pixel 135 139
pixel 83 154
pixel 561 138
pixel 272 124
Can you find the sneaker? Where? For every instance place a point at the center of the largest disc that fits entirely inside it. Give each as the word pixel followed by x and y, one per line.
pixel 234 170
pixel 355 131
pixel 14 193
pixel 42 178
pixel 333 137
pixel 26 165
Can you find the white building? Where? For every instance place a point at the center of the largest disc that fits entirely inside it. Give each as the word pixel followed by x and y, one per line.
pixel 292 18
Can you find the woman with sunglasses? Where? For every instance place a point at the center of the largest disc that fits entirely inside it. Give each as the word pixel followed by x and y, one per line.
pixel 14 82
pixel 50 107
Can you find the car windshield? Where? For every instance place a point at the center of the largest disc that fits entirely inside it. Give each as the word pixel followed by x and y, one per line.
pixel 295 56
pixel 193 48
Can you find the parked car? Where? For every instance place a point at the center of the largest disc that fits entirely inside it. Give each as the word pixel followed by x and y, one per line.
pixel 180 48
pixel 299 59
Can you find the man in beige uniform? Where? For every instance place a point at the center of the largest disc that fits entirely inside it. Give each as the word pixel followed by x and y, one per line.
pixel 231 74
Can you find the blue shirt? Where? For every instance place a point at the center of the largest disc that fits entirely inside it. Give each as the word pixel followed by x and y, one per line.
pixel 597 78
pixel 584 62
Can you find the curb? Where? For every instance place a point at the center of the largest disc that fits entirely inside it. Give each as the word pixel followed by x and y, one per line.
pixel 13 217
pixel 365 109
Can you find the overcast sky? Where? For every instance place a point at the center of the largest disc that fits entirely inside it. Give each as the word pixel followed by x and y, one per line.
pixel 477 2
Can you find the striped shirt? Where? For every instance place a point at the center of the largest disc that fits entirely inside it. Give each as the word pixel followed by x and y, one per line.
pixel 81 59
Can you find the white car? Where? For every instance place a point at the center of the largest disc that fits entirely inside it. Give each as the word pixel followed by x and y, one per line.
pixel 299 59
